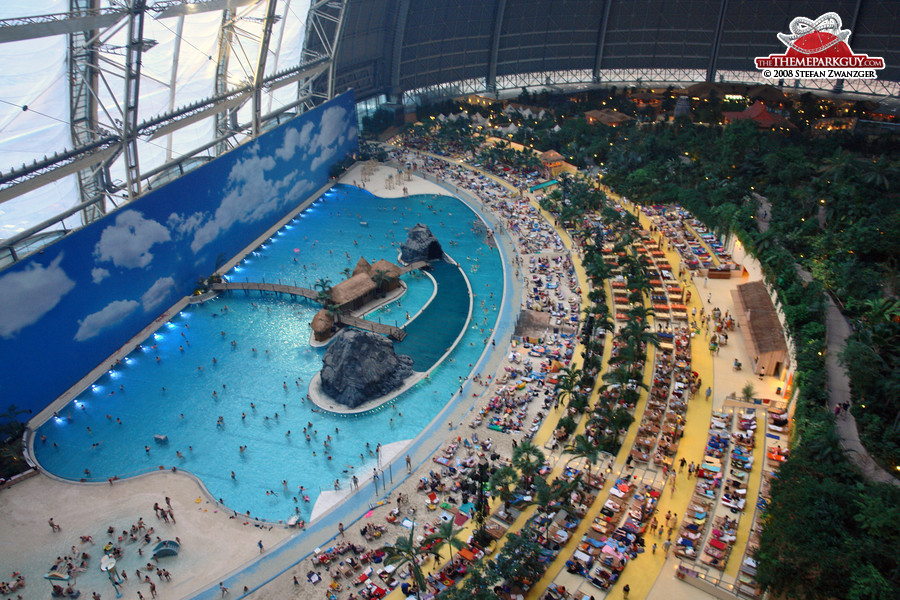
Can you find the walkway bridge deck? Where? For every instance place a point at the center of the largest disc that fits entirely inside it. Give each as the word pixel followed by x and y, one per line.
pixel 396 333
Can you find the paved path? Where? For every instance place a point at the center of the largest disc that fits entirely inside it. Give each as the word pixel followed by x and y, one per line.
pixel 837 331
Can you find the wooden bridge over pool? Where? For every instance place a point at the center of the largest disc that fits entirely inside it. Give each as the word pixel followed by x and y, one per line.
pixel 395 333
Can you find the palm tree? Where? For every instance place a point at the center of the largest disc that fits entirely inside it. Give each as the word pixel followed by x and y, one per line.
pixel 582 447
pixel 324 298
pixel 380 277
pixel 322 284
pixel 568 381
pixel 405 551
pixel 346 272
pixel 334 311
pixel 528 459
pixel 504 481
pixel 445 534
pixel 840 166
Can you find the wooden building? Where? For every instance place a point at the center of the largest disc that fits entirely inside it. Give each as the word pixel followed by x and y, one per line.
pixel 762 331
pixel 552 162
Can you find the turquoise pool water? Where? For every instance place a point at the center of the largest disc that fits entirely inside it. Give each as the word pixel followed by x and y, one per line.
pixel 107 428
pixel 433 332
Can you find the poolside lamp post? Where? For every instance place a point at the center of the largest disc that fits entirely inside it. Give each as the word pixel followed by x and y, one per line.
pixel 479 479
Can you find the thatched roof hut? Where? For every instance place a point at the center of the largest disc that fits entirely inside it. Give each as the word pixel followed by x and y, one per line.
pixel 606 117
pixel 763 334
pixel 388 267
pixel 362 266
pixel 350 290
pixel 321 325
pixel 551 157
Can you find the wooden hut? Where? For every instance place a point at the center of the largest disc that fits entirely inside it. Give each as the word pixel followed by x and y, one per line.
pixel 353 293
pixel 392 272
pixel 763 336
pixel 609 117
pixel 322 325
pixel 552 162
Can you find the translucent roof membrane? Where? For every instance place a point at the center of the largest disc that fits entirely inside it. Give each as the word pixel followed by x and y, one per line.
pixel 34 75
pixel 178 70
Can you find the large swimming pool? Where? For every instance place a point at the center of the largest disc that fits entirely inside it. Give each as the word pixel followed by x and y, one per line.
pixel 247 359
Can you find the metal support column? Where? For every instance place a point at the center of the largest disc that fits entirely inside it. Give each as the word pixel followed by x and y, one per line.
pixel 717 41
pixel 83 109
pixel 132 94
pixel 226 34
pixel 491 85
pixel 601 42
pixel 397 48
pixel 324 25
pixel 260 73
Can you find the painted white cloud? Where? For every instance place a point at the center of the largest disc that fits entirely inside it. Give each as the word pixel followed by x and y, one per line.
pixel 96 322
pixel 157 292
pixel 300 190
pixel 184 225
pixel 294 139
pixel 98 274
pixel 250 197
pixel 127 243
pixel 326 155
pixel 332 126
pixel 29 294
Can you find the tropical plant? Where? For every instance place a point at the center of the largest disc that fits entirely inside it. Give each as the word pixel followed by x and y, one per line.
pixel 567 382
pixel 519 561
pixel 445 534
pixel 748 392
pixel 323 287
pixel 528 459
pixel 381 278
pixel 582 447
pixel 478 584
pixel 334 311
pixel 406 550
pixel 504 481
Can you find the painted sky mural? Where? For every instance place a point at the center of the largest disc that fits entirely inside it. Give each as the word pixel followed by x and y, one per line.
pixel 67 308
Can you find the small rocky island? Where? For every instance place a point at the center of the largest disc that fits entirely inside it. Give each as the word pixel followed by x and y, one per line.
pixel 360 366
pixel 420 244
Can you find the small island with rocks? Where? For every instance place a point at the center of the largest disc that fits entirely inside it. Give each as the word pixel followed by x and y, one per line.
pixel 360 365
pixel 420 244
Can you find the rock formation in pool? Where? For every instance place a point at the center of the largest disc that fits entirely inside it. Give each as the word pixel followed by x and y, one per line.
pixel 420 244
pixel 360 366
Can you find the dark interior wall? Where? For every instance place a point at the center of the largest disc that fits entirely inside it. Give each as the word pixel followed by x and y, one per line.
pixel 543 35
pixel 364 52
pixel 645 34
pixel 448 41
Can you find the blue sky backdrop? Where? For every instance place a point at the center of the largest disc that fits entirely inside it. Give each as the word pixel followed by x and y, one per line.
pixel 66 309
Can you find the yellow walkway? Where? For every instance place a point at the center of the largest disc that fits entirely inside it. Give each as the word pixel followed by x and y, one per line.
pixel 643 572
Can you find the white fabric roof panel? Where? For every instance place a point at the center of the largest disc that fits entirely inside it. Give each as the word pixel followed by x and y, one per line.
pixel 36 73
